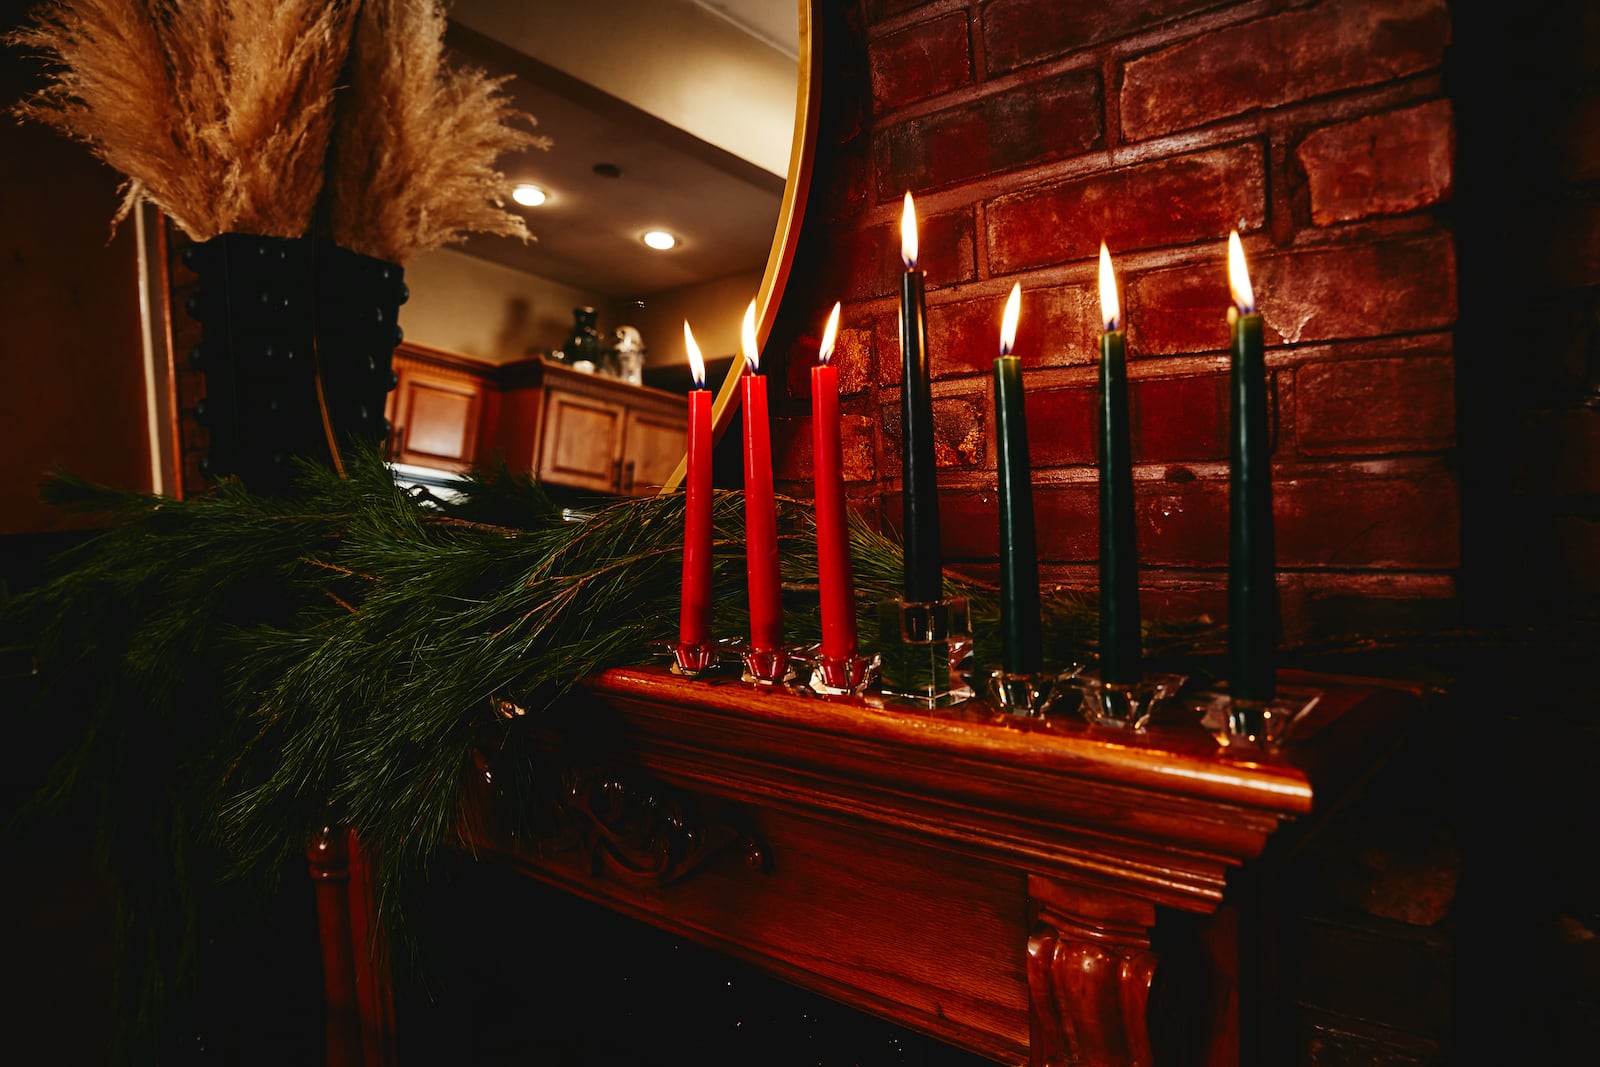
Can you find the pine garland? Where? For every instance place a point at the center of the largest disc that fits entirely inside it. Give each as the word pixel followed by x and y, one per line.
pixel 249 669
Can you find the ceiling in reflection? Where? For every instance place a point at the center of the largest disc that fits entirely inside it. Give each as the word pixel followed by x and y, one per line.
pixel 664 114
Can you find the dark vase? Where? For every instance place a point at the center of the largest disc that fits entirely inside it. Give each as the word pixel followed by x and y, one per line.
pixel 297 344
pixel 583 343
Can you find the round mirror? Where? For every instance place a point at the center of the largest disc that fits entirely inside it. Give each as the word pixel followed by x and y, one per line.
pixel 671 180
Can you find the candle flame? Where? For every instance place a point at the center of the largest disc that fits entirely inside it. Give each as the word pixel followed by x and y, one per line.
pixel 1110 307
pixel 1008 324
pixel 829 332
pixel 747 337
pixel 1244 297
pixel 697 363
pixel 908 235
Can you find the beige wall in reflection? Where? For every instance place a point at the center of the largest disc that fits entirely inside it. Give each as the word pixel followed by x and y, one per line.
pixel 713 309
pixel 470 306
pixel 475 308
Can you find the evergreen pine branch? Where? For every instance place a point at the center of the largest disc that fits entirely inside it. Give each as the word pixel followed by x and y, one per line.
pixel 251 669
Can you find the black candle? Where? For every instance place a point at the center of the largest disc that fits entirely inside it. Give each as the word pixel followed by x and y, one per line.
pixel 1119 558
pixel 919 490
pixel 1252 591
pixel 1019 555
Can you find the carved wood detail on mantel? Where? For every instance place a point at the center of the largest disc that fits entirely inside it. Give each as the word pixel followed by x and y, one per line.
pixel 1006 886
pixel 621 825
pixel 1090 971
pixel 645 832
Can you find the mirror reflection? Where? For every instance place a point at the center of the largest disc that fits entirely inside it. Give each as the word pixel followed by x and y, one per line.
pixel 670 120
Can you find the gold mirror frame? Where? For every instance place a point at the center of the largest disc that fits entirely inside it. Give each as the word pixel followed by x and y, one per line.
pixel 786 237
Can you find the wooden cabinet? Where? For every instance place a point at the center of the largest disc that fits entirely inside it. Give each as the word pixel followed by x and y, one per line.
pixel 582 442
pixel 436 408
pixel 567 428
pixel 589 432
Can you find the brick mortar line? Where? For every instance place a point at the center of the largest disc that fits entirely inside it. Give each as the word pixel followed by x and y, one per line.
pixel 1298 118
pixel 1422 344
pixel 1404 469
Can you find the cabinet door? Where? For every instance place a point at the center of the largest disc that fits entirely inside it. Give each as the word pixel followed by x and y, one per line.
pixel 436 418
pixel 582 445
pixel 651 449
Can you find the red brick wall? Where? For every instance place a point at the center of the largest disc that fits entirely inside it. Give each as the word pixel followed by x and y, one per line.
pixel 1030 130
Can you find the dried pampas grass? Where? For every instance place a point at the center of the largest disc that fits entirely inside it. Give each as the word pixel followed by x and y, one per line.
pixel 284 59
pixel 252 116
pixel 417 141
pixel 217 111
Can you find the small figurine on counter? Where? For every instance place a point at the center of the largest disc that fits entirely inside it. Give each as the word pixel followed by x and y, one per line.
pixel 629 353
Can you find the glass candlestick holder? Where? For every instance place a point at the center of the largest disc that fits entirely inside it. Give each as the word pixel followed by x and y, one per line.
pixel 768 666
pixel 693 661
pixel 1254 725
pixel 1124 705
pixel 925 650
pixel 850 675
pixel 1031 695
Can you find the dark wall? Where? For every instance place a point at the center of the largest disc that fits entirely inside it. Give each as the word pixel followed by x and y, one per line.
pixel 71 361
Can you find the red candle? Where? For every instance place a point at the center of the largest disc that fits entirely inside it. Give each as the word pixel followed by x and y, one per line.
pixel 760 512
pixel 694 625
pixel 835 587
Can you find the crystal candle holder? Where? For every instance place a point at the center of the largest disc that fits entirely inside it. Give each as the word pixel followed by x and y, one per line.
pixel 767 666
pixel 1029 695
pixel 1124 705
pixel 843 676
pixel 692 661
pixel 925 649
pixel 1254 725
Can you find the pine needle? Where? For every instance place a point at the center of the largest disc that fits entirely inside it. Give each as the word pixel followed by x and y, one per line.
pixel 250 669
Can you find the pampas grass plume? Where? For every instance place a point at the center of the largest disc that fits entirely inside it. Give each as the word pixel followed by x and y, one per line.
pixel 416 143
pixel 252 116
pixel 217 111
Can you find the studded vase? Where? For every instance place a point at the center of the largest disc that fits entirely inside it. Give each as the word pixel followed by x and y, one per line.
pixel 297 341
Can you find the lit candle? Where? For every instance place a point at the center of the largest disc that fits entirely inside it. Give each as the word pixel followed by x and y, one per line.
pixel 919 488
pixel 760 513
pixel 1252 594
pixel 694 624
pixel 835 586
pixel 1119 560
pixel 1019 556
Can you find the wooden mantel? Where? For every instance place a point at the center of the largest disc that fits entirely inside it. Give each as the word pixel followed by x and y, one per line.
pixel 1018 888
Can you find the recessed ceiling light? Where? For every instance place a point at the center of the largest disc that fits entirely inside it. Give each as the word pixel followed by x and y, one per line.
pixel 528 195
pixel 660 240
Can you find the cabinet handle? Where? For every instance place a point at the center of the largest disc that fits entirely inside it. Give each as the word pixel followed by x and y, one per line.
pixel 616 475
pixel 627 482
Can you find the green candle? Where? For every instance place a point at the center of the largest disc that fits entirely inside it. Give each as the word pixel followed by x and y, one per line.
pixel 1119 559
pixel 1020 645
pixel 1252 590
pixel 919 486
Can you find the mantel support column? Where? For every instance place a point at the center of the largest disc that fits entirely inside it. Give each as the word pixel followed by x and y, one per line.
pixel 355 963
pixel 1090 970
